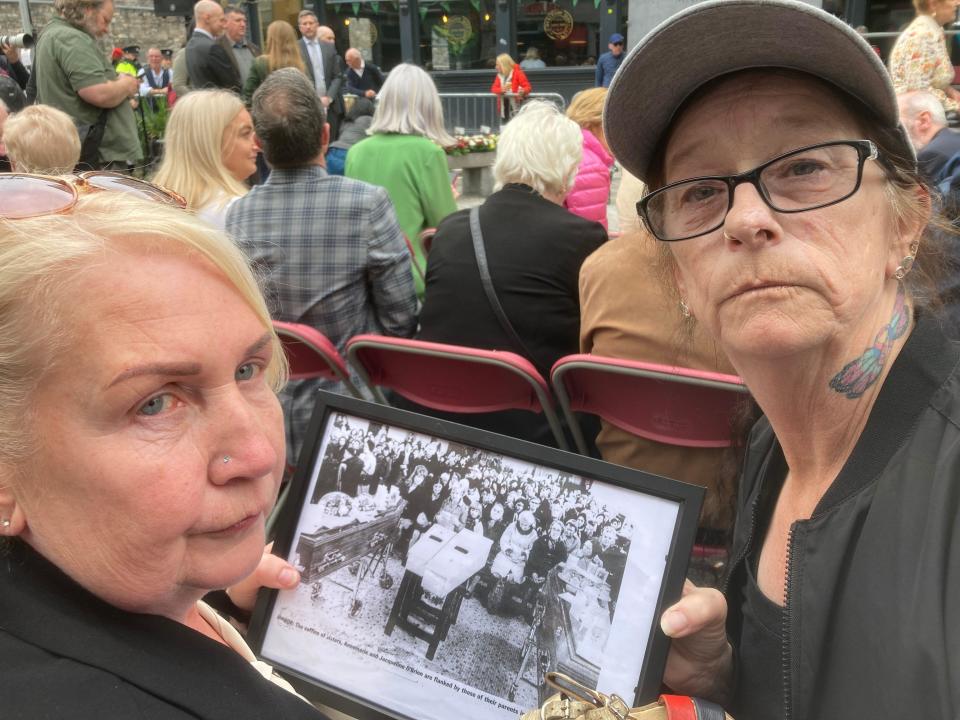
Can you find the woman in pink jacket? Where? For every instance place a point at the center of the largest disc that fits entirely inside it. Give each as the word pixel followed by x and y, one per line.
pixel 591 189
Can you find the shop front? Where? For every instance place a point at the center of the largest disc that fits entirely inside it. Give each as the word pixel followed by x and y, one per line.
pixel 458 41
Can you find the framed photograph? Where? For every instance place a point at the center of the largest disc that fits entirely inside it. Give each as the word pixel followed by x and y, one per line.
pixel 445 569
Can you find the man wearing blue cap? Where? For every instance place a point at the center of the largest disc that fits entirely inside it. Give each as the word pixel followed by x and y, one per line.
pixel 609 62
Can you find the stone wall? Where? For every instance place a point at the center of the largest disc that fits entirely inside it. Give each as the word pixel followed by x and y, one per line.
pixel 133 24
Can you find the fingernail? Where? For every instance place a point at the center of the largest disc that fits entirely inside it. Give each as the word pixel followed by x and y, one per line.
pixel 672 622
pixel 288 576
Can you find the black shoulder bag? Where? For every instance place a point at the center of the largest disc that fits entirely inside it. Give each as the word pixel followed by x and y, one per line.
pixel 481 253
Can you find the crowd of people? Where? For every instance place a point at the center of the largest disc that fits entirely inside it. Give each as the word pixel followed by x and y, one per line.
pixel 789 235
pixel 535 521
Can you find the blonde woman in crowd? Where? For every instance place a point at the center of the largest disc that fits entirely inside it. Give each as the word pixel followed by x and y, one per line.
pixel 210 150
pixel 591 189
pixel 405 156
pixel 281 52
pixel 510 86
pixel 41 139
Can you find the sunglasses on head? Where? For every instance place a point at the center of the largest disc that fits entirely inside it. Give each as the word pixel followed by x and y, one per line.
pixel 23 195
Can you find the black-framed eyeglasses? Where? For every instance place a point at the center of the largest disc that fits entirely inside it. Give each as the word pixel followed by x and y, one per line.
pixel 808 178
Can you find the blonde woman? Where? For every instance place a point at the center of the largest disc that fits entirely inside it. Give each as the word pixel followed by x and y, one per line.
pixel 591 189
pixel 281 52
pixel 510 86
pixel 405 156
pixel 210 150
pixel 41 139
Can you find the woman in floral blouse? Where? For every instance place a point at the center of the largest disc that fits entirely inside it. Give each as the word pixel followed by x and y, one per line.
pixel 919 60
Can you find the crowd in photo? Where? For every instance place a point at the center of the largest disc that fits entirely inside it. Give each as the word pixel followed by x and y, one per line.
pixel 536 519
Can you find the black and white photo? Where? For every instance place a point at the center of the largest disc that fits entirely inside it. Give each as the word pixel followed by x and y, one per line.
pixel 441 579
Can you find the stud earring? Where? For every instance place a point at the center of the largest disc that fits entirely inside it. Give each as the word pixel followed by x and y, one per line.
pixel 226 459
pixel 684 309
pixel 5 523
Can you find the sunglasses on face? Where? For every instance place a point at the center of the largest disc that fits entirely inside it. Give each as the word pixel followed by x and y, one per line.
pixel 23 195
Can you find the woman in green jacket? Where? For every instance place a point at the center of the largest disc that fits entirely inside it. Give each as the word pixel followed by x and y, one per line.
pixel 404 154
pixel 282 52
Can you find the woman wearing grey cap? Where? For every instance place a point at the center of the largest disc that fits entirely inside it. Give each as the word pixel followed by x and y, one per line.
pixel 791 215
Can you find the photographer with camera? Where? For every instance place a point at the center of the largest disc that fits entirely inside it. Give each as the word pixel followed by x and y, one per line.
pixel 72 74
pixel 10 65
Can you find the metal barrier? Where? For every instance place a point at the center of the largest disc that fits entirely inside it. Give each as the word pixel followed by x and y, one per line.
pixel 472 111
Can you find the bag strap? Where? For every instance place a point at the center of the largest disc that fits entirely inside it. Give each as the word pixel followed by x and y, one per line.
pixel 481 254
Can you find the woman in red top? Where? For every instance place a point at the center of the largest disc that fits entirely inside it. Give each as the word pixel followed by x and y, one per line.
pixel 510 85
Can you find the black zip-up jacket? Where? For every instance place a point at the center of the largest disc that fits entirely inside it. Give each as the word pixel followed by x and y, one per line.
pixel 871 626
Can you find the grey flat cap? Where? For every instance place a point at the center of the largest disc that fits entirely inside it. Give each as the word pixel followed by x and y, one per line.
pixel 717 37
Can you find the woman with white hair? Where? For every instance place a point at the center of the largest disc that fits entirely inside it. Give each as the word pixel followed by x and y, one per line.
pixel 534 248
pixel 41 139
pixel 210 150
pixel 405 156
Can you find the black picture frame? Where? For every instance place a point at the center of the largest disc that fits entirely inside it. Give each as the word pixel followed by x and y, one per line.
pixel 350 668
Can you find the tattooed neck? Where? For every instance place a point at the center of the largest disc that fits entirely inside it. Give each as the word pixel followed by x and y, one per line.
pixel 858 375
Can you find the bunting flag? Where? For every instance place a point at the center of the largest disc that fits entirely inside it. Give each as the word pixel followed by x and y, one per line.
pixel 596 3
pixel 375 5
pixel 356 8
pixel 423 12
pixel 445 6
pixel 476 4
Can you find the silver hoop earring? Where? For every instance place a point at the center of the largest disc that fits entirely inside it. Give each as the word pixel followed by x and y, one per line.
pixel 684 309
pixel 226 459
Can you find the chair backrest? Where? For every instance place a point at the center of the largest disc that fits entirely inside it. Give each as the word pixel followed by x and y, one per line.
pixel 672 405
pixel 453 378
pixel 312 355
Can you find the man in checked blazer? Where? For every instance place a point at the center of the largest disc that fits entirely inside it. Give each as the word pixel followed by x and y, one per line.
pixel 330 247
pixel 208 64
pixel 324 68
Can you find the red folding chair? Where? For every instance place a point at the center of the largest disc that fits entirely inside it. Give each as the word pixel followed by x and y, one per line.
pixel 312 355
pixel 453 378
pixel 672 405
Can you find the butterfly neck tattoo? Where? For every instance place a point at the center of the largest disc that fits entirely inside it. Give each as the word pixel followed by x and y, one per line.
pixel 859 374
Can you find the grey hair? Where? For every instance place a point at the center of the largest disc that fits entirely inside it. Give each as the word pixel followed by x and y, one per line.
pixel 288 118
pixel 539 147
pixel 75 11
pixel 410 105
pixel 918 101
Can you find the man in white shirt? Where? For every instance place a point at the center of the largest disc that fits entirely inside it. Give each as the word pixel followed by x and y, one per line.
pixel 324 67
pixel 154 79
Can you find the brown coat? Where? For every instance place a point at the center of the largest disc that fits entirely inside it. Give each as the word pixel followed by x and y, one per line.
pixel 626 311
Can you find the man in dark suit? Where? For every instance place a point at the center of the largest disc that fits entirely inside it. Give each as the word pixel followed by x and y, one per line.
pixel 208 64
pixel 324 67
pixel 925 121
pixel 362 78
